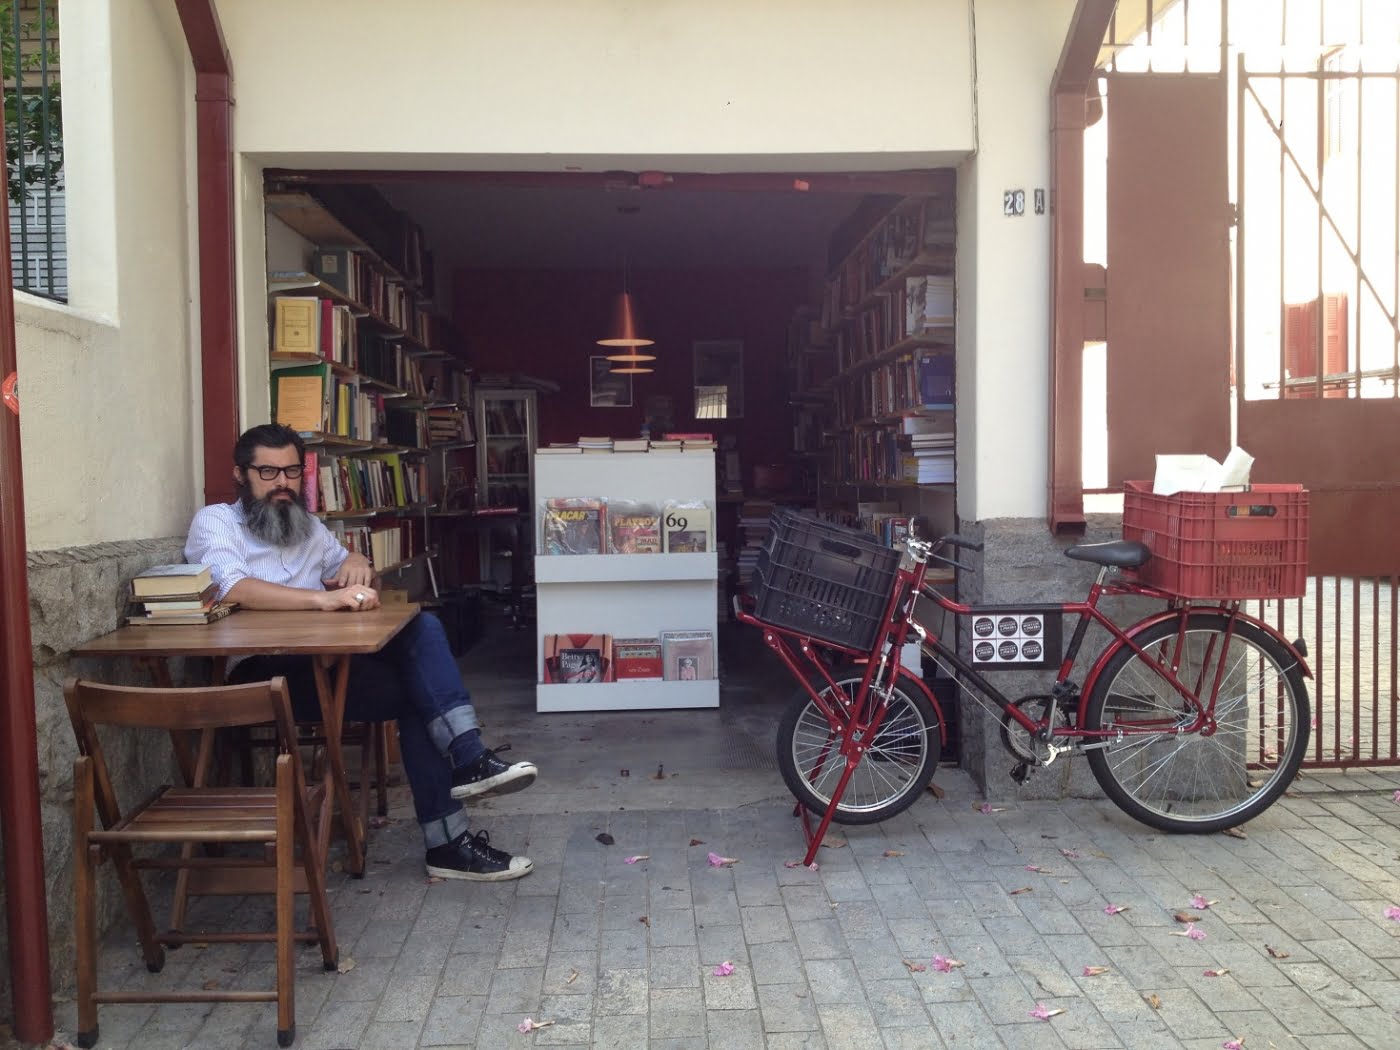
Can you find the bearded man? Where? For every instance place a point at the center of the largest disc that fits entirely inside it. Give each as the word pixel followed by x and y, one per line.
pixel 267 552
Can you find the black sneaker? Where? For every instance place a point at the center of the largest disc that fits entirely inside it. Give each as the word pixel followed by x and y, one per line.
pixel 471 857
pixel 489 775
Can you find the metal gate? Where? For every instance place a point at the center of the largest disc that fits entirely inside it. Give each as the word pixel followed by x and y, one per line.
pixel 1315 369
pixel 1350 627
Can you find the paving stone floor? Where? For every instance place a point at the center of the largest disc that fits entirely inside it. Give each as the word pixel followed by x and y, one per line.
pixel 623 955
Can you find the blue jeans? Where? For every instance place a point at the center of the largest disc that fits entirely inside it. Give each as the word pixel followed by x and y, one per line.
pixel 412 680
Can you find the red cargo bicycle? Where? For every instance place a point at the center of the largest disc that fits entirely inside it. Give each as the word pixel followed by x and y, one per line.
pixel 1193 719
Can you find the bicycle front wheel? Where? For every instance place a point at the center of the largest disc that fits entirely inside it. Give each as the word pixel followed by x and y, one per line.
pixel 1201 781
pixel 890 776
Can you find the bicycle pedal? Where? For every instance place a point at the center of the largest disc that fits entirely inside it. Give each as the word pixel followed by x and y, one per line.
pixel 1021 772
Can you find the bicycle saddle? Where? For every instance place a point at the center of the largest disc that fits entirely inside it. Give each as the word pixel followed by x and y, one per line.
pixel 1121 554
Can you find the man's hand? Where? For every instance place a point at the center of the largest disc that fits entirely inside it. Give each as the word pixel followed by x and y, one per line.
pixel 358 598
pixel 355 571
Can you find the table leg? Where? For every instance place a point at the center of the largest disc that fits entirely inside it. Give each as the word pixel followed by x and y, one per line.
pixel 332 699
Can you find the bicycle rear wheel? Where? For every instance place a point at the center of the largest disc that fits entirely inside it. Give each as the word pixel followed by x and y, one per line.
pixel 1201 781
pixel 891 775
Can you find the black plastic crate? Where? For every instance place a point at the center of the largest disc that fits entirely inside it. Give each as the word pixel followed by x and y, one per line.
pixel 823 580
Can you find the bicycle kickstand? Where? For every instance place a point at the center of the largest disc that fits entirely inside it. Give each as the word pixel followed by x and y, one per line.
pixel 814 838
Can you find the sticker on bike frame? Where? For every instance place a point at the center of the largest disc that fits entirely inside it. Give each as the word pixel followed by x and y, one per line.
pixel 1010 640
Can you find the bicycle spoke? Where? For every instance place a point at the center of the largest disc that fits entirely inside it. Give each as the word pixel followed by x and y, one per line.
pixel 1188 776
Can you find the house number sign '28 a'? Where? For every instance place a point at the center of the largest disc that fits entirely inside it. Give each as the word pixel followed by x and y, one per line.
pixel 1013 202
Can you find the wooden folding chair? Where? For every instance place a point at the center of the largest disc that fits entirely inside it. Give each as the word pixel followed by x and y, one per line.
pixel 277 818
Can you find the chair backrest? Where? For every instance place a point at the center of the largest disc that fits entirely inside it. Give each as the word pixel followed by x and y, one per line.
pixel 93 704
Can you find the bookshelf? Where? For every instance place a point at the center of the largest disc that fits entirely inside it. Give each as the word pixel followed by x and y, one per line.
pixel 873 370
pixel 626 595
pixel 364 371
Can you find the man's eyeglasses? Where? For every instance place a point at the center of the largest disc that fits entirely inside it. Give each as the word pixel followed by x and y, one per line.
pixel 270 473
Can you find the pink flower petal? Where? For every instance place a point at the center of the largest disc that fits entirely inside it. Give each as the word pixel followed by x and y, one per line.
pixel 716 861
pixel 1114 909
pixel 1215 973
pixel 986 807
pixel 724 969
pixel 1044 1013
pixel 633 860
pixel 945 965
pixel 1195 932
pixel 1070 854
pixel 1395 797
pixel 1392 912
pixel 1232 1044
pixel 1198 901
pixel 526 1025
pixel 1095 971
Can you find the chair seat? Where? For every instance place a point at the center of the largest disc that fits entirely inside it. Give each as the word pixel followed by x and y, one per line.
pixel 176 814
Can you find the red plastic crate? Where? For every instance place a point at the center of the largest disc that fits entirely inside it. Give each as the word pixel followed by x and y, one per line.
pixel 1221 544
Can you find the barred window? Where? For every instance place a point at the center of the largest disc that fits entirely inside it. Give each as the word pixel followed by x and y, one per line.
pixel 34 146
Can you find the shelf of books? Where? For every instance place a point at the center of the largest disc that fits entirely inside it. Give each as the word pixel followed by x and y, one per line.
pixel 361 368
pixel 626 581
pixel 876 372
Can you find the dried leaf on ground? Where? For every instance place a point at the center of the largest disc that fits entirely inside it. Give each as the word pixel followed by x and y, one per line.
pixel 893 853
pixel 1216 973
pixel 1277 953
pixel 345 965
pixel 432 879
pixel 936 791
pixel 914 967
pixel 1095 971
pixel 1186 916
pixel 645 921
pixel 697 842
pixel 210 985
pixel 1235 833
pixel 604 838
pixel 1153 1000
pixel 573 975
pixel 833 842
pixel 1017 893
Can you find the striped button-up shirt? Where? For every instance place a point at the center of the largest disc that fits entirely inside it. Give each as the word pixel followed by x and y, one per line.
pixel 219 537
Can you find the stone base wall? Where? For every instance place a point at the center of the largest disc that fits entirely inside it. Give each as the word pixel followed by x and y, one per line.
pixel 76 594
pixel 1021 562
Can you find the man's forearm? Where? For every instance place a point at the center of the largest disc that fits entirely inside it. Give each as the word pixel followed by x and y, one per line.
pixel 259 594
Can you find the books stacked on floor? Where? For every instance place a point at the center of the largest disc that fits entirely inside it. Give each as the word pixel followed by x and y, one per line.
pixel 753 523
pixel 175 594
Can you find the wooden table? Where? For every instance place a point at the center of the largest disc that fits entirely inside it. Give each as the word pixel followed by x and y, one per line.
pixel 331 638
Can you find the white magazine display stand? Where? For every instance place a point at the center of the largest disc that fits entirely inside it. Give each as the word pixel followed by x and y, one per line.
pixel 625 595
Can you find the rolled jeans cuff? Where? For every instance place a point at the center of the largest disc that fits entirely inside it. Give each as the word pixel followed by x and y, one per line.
pixel 451 724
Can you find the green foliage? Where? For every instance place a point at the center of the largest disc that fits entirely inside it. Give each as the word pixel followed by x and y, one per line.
pixel 34 118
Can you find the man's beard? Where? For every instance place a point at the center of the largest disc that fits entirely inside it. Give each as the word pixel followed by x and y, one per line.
pixel 280 523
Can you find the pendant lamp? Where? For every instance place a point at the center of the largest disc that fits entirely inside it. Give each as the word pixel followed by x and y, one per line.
pixel 630 369
pixel 624 329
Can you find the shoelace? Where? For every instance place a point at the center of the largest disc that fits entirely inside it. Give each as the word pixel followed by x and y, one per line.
pixel 480 844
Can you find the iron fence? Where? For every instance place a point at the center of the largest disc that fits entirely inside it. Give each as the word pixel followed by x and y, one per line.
pixel 34 146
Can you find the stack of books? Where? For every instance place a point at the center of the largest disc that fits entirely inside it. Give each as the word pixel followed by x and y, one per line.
pixel 175 594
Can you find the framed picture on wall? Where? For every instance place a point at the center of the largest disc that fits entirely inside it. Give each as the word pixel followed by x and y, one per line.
pixel 719 378
pixel 607 389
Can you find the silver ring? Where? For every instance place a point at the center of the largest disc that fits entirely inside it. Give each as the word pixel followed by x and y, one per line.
pixel 359 597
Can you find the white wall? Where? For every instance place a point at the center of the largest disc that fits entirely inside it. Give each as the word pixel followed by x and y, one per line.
pixel 1004 264
pixel 108 384
pixel 487 84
